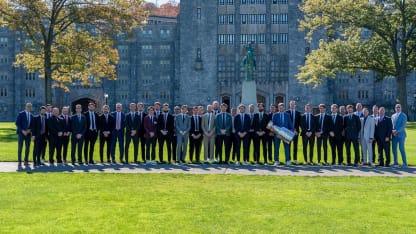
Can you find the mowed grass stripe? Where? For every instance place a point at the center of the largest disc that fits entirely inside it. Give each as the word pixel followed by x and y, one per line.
pixel 119 203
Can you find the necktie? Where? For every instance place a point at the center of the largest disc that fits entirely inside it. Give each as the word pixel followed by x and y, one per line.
pixel 66 119
pixel 251 119
pixel 183 118
pixel 141 117
pixel 242 120
pixel 261 116
pixel 322 122
pixel 118 121
pixel 166 117
pixel 106 118
pixel 293 116
pixel 79 118
pixel 132 116
pixel 350 116
pixel 309 121
pixel 196 124
pixel 209 121
pixel 334 118
pixel 223 120
pixel 93 120
pixel 281 118
pixel 151 119
pixel 28 119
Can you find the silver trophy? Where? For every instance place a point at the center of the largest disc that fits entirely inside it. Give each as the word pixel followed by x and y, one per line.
pixel 281 132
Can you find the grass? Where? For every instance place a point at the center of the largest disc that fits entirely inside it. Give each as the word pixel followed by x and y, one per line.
pixel 131 203
pixel 8 146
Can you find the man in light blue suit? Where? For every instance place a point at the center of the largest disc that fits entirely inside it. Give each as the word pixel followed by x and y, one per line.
pixel 399 120
pixel 281 119
pixel 183 125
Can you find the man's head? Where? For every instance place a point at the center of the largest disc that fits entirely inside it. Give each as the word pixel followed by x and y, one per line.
pixel 209 108
pixel 65 110
pixel 308 108
pixel 292 104
pixel 132 107
pixel 165 107
pixel 177 110
pixel 334 108
pixel 157 106
pixel 242 108
pixel 28 107
pixel 342 110
pixel 119 107
pixel 91 106
pixel 365 112
pixel 140 106
pixel 322 108
pixel 375 110
pixel 233 111
pixel 215 105
pixel 195 110
pixel 398 108
pixel 78 108
pixel 55 111
pixel 260 106
pixel 48 108
pixel 151 110
pixel 381 111
pixel 281 107
pixel 359 107
pixel 273 108
pixel 350 109
pixel 184 109
pixel 251 108
pixel 42 110
pixel 200 110
pixel 106 109
pixel 224 107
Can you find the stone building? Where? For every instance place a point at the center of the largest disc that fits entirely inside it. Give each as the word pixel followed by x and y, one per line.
pixel 198 57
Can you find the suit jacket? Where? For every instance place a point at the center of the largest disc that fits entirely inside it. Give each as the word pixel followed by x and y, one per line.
pixel 261 124
pixel 132 124
pixel 285 122
pixel 253 124
pixel 193 125
pixel 150 126
pixel 77 126
pixel 97 123
pixel 169 125
pixel 221 123
pixel 367 128
pixel 323 127
pixel 122 121
pixel 304 125
pixel 297 116
pixel 182 124
pixel 66 126
pixel 22 122
pixel 36 126
pixel 352 126
pixel 207 125
pixel 141 120
pixel 337 127
pixel 384 127
pixel 399 124
pixel 238 126
pixel 106 125
pixel 55 125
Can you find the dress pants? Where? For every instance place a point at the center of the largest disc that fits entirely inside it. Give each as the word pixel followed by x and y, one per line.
pixel 105 141
pixel 117 135
pixel 305 142
pixel 55 144
pixel 400 142
pixel 195 146
pixel 354 142
pixel 38 148
pixel 246 146
pixel 23 139
pixel 135 140
pixel 151 145
pixel 162 139
pixel 209 143
pixel 65 143
pixel 367 150
pixel 294 142
pixel 182 146
pixel 223 141
pixel 276 149
pixel 90 139
pixel 336 148
pixel 322 142
pixel 76 144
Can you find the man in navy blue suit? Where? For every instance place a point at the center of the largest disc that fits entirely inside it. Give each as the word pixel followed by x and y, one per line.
pixel 282 119
pixel 118 133
pixel 24 133
pixel 242 127
pixel 383 135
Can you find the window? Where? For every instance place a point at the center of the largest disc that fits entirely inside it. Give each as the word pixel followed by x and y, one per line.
pixel 3 41
pixel 279 38
pixel 279 1
pixel 3 60
pixel 145 95
pixel 248 38
pixel 4 77
pixel 198 13
pixel 164 64
pixel 225 2
pixel 226 39
pixel 164 95
pixel 30 93
pixel 226 19
pixel 363 94
pixel 198 54
pixel 30 76
pixel 3 92
pixel 164 49
pixel 279 18
pixel 261 38
pixel 147 64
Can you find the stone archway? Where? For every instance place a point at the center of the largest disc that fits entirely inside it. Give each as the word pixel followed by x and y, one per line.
pixel 84 103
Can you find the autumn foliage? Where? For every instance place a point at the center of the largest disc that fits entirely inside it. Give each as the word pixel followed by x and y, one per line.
pixel 170 9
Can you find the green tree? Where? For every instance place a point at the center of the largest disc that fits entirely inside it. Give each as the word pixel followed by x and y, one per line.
pixel 70 41
pixel 361 35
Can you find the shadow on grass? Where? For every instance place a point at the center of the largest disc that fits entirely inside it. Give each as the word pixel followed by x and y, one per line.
pixel 8 134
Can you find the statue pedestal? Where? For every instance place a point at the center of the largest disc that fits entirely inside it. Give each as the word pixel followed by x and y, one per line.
pixel 249 93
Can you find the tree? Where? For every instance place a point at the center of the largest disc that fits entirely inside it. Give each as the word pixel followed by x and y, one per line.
pixel 70 41
pixel 361 35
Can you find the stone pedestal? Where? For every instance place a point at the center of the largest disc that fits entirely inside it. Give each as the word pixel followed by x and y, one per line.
pixel 249 94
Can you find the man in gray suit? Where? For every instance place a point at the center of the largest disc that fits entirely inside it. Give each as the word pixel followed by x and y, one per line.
pixel 367 137
pixel 208 128
pixel 183 125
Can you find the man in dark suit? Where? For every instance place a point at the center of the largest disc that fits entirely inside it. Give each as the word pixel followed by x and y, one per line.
pixel 48 115
pixel 118 133
pixel 335 134
pixel 132 132
pixel 195 136
pixel 281 119
pixel 142 140
pixel 66 121
pixel 383 136
pixel 322 131
pixel 24 133
pixel 107 124
pixel 91 134
pixel 38 135
pixel 261 120
pixel 150 126
pixel 78 128
pixel 223 129
pixel 252 136
pixel 308 126
pixel 270 134
pixel 165 126
pixel 352 126
pixel 157 107
pixel 233 136
pixel 55 129
pixel 295 117
pixel 242 127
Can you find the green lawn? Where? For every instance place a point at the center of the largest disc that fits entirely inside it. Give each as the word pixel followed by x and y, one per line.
pixel 131 203
pixel 8 146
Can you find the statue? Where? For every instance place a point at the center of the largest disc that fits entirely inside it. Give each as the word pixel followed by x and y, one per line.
pixel 249 63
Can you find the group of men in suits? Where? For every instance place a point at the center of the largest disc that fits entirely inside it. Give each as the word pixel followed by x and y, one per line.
pixel 222 134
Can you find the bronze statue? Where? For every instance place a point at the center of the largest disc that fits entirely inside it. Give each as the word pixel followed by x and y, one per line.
pixel 249 63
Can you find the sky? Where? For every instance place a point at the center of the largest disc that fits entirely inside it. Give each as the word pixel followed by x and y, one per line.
pixel 160 2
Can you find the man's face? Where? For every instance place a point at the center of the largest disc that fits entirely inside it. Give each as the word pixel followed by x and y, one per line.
pixel 184 110
pixel 49 109
pixel 151 112
pixel 242 109
pixel 233 111
pixel 365 112
pixel 375 110
pixel 209 108
pixel 359 107
pixel 349 109
pixel 281 108
pixel 65 111
pixel 119 108
pixel 140 107
pixel 216 105
pixel 322 109
pixel 251 109
pixel 91 107
pixel 261 108
pixel 223 108
pixel 382 111
pixel 28 107
pixel 334 109
pixel 307 109
pixel 342 110
pixel 42 111
pixel 132 107
pixel 78 109
pixel 273 109
pixel 177 110
pixel 55 112
pixel 292 105
pixel 106 109
pixel 398 108
pixel 200 110
pixel 165 108
pixel 195 110
pixel 157 107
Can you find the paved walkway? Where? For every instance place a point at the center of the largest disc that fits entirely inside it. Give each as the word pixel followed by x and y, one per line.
pixel 218 169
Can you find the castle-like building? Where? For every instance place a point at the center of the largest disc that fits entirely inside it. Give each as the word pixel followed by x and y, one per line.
pixel 197 58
